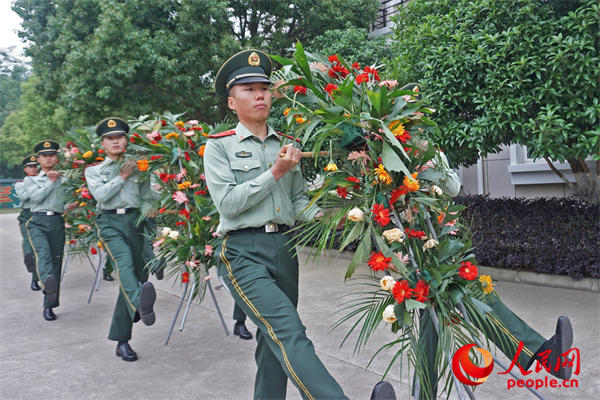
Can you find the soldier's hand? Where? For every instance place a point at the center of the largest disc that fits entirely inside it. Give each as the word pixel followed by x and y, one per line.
pixel 127 169
pixel 52 175
pixel 287 158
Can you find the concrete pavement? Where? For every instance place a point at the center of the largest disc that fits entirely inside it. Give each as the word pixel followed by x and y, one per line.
pixel 71 358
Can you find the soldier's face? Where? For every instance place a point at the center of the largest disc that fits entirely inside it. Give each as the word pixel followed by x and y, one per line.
pixel 250 101
pixel 114 145
pixel 47 160
pixel 31 170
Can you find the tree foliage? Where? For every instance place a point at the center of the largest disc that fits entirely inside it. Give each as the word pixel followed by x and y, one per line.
pixel 502 72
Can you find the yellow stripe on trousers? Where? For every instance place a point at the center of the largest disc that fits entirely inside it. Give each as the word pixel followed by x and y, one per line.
pixel 35 254
pixel 500 325
pixel 116 267
pixel 264 321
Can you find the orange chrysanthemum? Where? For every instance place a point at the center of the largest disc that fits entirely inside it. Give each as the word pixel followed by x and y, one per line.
pixel 143 165
pixel 411 184
pixel 172 135
pixel 382 175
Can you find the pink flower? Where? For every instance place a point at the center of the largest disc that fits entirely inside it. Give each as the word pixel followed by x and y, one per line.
pixel 215 234
pixel 179 197
pixel 195 185
pixel 158 242
pixel 359 156
pixel 389 83
pixel 426 166
pixel 208 250
pixel 189 133
pixel 202 177
pixel 206 218
pixel 154 135
pixel 192 122
pixel 404 259
pixel 74 150
pixel 181 174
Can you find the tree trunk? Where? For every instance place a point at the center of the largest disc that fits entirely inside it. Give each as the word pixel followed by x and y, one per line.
pixel 588 182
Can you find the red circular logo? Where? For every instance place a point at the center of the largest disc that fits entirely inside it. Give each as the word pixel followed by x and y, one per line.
pixel 464 369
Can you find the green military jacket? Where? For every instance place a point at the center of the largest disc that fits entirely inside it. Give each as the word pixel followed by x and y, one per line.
pixel 45 195
pixel 23 194
pixel 245 192
pixel 112 192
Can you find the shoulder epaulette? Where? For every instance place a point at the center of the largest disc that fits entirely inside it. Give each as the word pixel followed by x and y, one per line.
pixel 222 134
pixel 289 137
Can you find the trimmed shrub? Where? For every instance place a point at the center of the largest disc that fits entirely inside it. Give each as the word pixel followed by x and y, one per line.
pixel 547 235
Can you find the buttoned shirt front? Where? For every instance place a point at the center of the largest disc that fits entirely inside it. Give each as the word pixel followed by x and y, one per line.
pixel 111 191
pixel 45 195
pixel 22 194
pixel 243 188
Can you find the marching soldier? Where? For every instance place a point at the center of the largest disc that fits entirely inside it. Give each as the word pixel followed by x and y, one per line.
pixel 240 329
pixel 30 166
pixel 120 191
pixel 46 227
pixel 258 189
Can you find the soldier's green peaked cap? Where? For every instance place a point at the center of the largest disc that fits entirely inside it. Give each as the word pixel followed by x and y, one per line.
pixel 30 161
pixel 46 147
pixel 248 66
pixel 112 126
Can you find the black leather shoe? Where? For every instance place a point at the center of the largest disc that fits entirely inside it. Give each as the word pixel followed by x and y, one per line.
pixel 50 288
pixel 383 391
pixel 35 286
pixel 239 329
pixel 126 352
pixel 160 274
pixel 49 314
pixel 29 262
pixel 108 277
pixel 550 354
pixel 147 299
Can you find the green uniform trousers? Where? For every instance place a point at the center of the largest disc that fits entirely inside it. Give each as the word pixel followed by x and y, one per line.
pixel 46 235
pixel 28 256
pixel 261 272
pixel 505 329
pixel 238 314
pixel 123 241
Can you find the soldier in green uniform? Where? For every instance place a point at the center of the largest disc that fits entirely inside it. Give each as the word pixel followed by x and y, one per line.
pixel 239 328
pixel 258 189
pixel 46 227
pixel 30 166
pixel 119 191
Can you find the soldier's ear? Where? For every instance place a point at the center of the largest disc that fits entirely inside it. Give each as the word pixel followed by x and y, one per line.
pixel 231 103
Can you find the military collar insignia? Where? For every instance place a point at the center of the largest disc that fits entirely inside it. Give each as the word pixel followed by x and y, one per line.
pixel 253 59
pixel 243 154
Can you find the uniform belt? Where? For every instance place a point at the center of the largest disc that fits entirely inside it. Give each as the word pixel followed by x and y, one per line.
pixel 119 211
pixel 46 213
pixel 26 209
pixel 268 228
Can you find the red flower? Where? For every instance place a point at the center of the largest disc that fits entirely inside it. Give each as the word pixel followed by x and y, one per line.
pixel 132 139
pixel 329 88
pixel 163 122
pixel 395 195
pixel 338 71
pixel 165 177
pixel 300 89
pixel 187 156
pixel 153 158
pixel 401 291
pixel 421 291
pixel 416 234
pixel 468 271
pixel 162 210
pixel 153 142
pixel 355 65
pixel 362 78
pixel 378 262
pixel 201 192
pixel 185 213
pixel 93 250
pixel 342 192
pixel 333 59
pixel 137 136
pixel 179 223
pixel 100 151
pixel 381 215
pixel 185 277
pixel 192 145
pixel 405 137
pixel 72 241
pixel 354 180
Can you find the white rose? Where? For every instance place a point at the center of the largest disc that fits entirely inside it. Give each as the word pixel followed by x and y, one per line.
pixel 436 189
pixel 431 243
pixel 356 214
pixel 165 231
pixel 393 235
pixel 388 314
pixel 173 234
pixel 387 283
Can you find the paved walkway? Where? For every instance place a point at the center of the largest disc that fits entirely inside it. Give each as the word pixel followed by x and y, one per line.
pixel 71 358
